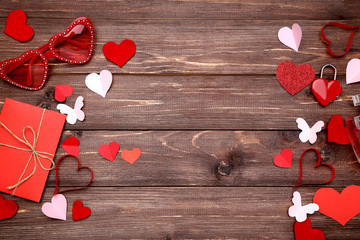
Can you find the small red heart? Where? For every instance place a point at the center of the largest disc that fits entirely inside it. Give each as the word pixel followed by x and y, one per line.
pixel 79 211
pixel 119 54
pixel 337 132
pixel 294 78
pixel 8 208
pixel 62 92
pixel 325 91
pixel 284 159
pixel 304 231
pixel 110 151
pixel 70 145
pixel 131 156
pixel 17 28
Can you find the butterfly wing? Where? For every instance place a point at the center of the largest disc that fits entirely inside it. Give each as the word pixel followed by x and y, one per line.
pixel 79 103
pixel 302 125
pixel 315 129
pixel 297 204
pixel 65 109
pixel 301 214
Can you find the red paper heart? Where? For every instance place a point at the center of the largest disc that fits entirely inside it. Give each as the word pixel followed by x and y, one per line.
pixel 79 211
pixel 8 208
pixel 110 151
pixel 17 28
pixel 70 145
pixel 304 231
pixel 131 156
pixel 318 164
pixel 119 54
pixel 294 78
pixel 337 132
pixel 340 207
pixel 325 91
pixel 62 92
pixel 284 159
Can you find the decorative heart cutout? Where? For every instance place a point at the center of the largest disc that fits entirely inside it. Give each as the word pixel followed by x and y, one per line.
pixel 294 78
pixel 318 164
pixel 8 208
pixel 110 151
pixel 304 231
pixel 70 145
pixel 131 156
pixel 337 131
pixel 57 208
pixel 17 28
pixel 284 159
pixel 353 71
pixel 340 207
pixel 325 91
pixel 79 211
pixel 99 84
pixel 119 54
pixel 62 92
pixel 291 37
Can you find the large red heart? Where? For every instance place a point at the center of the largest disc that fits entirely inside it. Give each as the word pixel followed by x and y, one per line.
pixel 8 208
pixel 110 151
pixel 325 91
pixel 337 132
pixel 119 54
pixel 131 156
pixel 340 207
pixel 284 159
pixel 17 28
pixel 79 211
pixel 62 92
pixel 70 145
pixel 304 231
pixel 294 78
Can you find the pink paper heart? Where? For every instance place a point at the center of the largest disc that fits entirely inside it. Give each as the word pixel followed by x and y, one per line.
pixel 99 84
pixel 57 208
pixel 353 71
pixel 291 37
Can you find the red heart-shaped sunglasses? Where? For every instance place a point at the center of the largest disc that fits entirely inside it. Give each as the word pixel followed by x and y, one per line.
pixel 74 45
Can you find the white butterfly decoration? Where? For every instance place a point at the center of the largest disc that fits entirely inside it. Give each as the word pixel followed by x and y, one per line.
pixel 300 212
pixel 73 114
pixel 309 134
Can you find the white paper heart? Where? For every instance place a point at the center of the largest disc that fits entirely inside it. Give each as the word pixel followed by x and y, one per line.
pixel 57 208
pixel 353 71
pixel 99 84
pixel 291 37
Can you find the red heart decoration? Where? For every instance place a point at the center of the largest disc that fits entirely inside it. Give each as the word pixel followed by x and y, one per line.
pixel 131 156
pixel 294 78
pixel 70 145
pixel 17 28
pixel 325 91
pixel 284 159
pixel 62 92
pixel 340 207
pixel 110 151
pixel 304 231
pixel 337 132
pixel 318 164
pixel 8 208
pixel 79 211
pixel 119 54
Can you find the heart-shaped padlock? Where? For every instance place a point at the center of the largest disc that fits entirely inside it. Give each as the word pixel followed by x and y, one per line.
pixel 326 91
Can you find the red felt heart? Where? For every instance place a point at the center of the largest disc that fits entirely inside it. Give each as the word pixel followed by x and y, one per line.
pixel 119 54
pixel 70 145
pixel 294 78
pixel 79 211
pixel 325 91
pixel 304 231
pixel 17 28
pixel 8 208
pixel 284 159
pixel 318 164
pixel 340 207
pixel 62 92
pixel 337 132
pixel 131 156
pixel 110 151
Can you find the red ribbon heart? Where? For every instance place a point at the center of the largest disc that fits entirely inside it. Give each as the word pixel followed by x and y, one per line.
pixel 318 164
pixel 17 28
pixel 8 208
pixel 79 211
pixel 325 91
pixel 304 231
pixel 119 54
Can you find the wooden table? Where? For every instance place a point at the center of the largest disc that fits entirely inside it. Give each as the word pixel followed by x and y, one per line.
pixel 201 100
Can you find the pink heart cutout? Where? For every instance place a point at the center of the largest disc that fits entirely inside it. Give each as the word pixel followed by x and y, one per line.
pixel 291 37
pixel 57 208
pixel 284 159
pixel 353 71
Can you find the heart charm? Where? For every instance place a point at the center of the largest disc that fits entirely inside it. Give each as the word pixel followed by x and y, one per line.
pixel 79 211
pixel 110 151
pixel 337 132
pixel 8 208
pixel 284 159
pixel 131 156
pixel 17 28
pixel 119 54
pixel 62 92
pixel 353 71
pixel 70 145
pixel 291 37
pixel 304 231
pixel 99 84
pixel 57 208
pixel 324 91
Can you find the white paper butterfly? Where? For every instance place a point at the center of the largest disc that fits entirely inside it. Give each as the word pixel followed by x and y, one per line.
pixel 309 134
pixel 300 212
pixel 73 114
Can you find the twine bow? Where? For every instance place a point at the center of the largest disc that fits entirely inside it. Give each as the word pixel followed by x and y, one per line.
pixel 36 155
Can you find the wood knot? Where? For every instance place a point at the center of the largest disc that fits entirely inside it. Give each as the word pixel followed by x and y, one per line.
pixel 309 93
pixel 78 134
pixel 325 153
pixel 223 168
pixel 167 238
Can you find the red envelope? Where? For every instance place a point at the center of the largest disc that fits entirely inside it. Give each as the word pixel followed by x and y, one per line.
pixel 15 116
